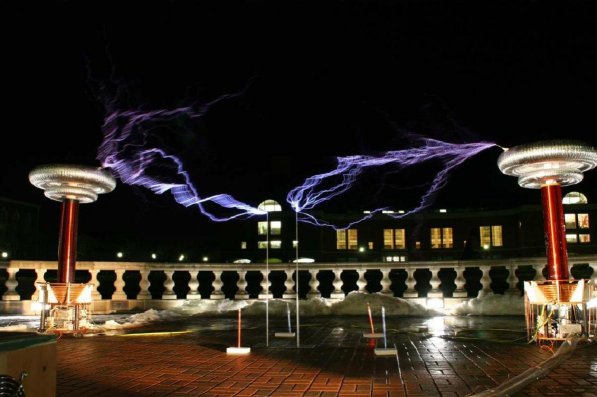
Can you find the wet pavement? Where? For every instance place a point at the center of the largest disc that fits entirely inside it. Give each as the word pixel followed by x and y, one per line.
pixel 453 357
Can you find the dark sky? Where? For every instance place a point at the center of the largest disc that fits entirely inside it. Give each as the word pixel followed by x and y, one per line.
pixel 318 79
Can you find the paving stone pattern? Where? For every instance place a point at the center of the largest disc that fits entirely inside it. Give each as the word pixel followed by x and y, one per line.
pixel 333 360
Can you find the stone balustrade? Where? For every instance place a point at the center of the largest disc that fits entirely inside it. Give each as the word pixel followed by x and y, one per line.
pixel 408 280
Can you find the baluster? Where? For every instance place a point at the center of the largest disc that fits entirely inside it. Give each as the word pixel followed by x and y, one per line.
pixel 512 281
pixel 539 277
pixel 119 294
pixel 337 293
pixel 39 278
pixel 95 295
pixel 289 283
pixel 460 281
pixel 168 286
pixel 362 282
pixel 313 284
pixel 485 281
pixel 242 286
pixel 435 292
pixel 144 285
pixel 411 283
pixel 217 285
pixel 11 293
pixel 193 286
pixel 386 282
pixel 265 285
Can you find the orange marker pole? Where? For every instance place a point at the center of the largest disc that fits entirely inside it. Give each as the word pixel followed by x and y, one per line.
pixel 370 318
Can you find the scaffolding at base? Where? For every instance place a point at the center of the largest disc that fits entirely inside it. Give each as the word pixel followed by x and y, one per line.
pixel 65 308
pixel 557 310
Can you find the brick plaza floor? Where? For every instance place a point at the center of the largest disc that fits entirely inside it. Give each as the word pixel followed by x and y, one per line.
pixel 334 360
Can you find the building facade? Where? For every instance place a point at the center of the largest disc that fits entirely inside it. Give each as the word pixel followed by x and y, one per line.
pixel 441 234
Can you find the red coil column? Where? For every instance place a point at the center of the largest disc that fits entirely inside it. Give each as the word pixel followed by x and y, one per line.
pixel 67 243
pixel 555 232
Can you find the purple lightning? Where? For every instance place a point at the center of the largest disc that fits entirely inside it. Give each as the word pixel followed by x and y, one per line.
pixel 323 187
pixel 126 150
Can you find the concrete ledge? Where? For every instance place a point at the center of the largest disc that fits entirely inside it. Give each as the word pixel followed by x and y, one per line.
pixel 34 354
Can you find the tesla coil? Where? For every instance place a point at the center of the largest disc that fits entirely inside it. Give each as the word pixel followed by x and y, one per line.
pixel 69 302
pixel 555 309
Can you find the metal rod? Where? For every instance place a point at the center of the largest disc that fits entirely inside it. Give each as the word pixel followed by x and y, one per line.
pixel 238 332
pixel 267 282
pixel 298 331
pixel 44 301
pixel 288 314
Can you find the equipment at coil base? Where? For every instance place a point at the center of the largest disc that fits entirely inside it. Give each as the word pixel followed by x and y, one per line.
pixel 65 304
pixel 557 308
pixel 66 307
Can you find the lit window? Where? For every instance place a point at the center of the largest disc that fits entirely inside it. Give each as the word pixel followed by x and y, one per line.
pixel 388 238
pixel 341 239
pixel 574 198
pixel 243 245
pixel 574 224
pixel 370 245
pixel 496 235
pixel 262 228
pixel 583 221
pixel 352 239
pixel 270 206
pixel 570 221
pixel 447 237
pixel 436 237
pixel 490 236
pixel 275 244
pixel 418 245
pixel 262 245
pixel 346 239
pixel 442 237
pixel 275 227
pixel 395 258
pixel 584 238
pixel 394 239
pixel 294 243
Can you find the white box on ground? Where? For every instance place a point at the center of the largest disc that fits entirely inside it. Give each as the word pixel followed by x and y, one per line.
pixel 285 334
pixel 389 351
pixel 238 350
pixel 372 335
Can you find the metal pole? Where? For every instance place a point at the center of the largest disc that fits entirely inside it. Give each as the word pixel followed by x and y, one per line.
pixel 298 329
pixel 239 328
pixel 44 301
pixel 267 282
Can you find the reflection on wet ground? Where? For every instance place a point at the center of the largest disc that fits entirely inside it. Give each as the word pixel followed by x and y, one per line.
pixel 439 356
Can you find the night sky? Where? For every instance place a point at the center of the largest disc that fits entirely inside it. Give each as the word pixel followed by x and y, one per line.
pixel 316 79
